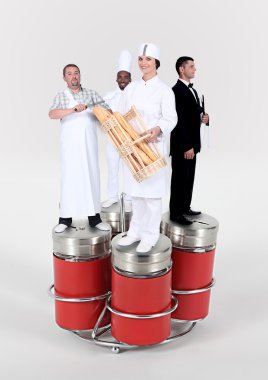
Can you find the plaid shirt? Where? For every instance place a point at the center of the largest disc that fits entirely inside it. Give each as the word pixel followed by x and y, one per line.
pixel 84 96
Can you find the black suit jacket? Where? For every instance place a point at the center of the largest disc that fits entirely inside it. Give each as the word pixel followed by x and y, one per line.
pixel 186 134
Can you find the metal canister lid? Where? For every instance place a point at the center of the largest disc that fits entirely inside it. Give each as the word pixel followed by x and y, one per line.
pixel 111 215
pixel 201 234
pixel 128 262
pixel 81 241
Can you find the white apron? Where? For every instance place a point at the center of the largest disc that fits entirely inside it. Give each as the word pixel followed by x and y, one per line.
pixel 80 182
pixel 113 158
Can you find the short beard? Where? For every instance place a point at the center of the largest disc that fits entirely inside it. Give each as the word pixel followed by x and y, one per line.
pixel 75 85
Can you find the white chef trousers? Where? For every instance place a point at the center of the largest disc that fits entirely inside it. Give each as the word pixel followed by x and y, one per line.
pixel 113 160
pixel 146 219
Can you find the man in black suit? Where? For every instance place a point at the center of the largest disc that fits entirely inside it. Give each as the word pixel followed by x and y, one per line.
pixel 185 142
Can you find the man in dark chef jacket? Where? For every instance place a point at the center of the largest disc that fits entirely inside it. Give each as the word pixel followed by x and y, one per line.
pixel 185 142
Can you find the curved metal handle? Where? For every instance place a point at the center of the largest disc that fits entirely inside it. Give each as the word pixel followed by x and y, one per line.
pixel 149 316
pixel 94 333
pixel 64 299
pixel 195 291
pixel 116 345
pixel 122 213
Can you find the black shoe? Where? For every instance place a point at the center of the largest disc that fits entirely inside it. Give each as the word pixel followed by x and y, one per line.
pixel 192 212
pixel 94 220
pixel 181 220
pixel 66 221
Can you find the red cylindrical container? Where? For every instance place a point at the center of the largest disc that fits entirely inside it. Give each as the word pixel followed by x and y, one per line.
pixel 141 286
pixel 193 260
pixel 82 280
pixel 193 271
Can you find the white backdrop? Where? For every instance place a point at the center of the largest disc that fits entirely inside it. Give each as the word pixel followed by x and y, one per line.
pixel 228 41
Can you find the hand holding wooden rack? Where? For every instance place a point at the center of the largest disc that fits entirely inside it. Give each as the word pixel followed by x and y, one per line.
pixel 142 160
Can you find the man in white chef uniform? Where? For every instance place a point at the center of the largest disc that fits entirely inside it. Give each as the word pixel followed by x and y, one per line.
pixel 155 102
pixel 113 98
pixel 80 182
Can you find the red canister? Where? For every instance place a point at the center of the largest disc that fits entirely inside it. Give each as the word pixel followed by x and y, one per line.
pixel 141 293
pixel 81 276
pixel 193 260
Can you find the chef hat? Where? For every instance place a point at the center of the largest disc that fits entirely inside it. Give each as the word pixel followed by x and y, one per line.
pixel 150 50
pixel 124 61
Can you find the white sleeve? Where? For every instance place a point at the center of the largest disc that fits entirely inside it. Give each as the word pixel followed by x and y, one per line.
pixel 109 99
pixel 169 117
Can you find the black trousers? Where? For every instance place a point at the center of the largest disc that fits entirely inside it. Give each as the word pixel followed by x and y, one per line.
pixel 182 183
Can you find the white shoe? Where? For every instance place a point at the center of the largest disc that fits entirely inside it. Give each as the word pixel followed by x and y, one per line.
pixel 128 206
pixel 60 228
pixel 144 247
pixel 109 202
pixel 103 226
pixel 127 240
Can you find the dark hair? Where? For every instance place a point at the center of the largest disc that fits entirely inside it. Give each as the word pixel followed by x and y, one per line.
pixel 157 63
pixel 181 63
pixel 70 65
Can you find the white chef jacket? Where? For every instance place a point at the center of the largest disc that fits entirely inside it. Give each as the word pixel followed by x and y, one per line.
pixel 113 98
pixel 155 102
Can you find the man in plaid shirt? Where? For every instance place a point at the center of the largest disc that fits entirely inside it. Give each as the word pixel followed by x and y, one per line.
pixel 84 96
pixel 80 183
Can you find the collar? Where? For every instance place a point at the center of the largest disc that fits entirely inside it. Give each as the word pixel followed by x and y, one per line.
pixel 150 81
pixel 71 92
pixel 184 81
pixel 118 90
